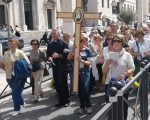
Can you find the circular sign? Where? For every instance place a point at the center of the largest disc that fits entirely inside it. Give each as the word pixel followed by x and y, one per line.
pixel 78 15
pixel 7 1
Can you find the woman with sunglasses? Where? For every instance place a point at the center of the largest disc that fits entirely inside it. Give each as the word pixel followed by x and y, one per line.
pixel 106 50
pixel 119 68
pixel 37 56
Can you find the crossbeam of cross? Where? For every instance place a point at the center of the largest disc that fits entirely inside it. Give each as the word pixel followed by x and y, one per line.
pixel 78 15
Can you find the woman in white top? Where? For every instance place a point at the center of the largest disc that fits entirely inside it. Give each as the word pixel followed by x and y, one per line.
pixel 119 68
pixel 140 49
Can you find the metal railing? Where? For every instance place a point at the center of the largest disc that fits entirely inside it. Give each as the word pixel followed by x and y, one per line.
pixel 115 110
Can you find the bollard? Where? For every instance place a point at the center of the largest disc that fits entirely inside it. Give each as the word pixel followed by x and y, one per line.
pixel 113 99
pixel 120 100
pixel 144 89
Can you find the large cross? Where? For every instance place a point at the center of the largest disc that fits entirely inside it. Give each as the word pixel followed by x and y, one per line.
pixel 78 15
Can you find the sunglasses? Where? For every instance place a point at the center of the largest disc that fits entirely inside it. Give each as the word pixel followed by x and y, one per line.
pixel 117 41
pixel 108 39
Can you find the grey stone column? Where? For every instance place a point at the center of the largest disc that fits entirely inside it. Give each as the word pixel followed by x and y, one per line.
pixel 68 22
pixel 22 15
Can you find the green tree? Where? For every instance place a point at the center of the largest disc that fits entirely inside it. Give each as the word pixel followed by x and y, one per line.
pixel 127 16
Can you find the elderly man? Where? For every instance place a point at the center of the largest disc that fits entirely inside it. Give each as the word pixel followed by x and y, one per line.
pixel 58 58
pixel 67 39
pixel 146 30
pixel 114 28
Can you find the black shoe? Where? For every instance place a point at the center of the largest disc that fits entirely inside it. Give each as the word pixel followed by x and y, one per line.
pixel 35 101
pixel 59 105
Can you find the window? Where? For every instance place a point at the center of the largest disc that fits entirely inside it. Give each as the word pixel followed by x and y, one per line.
pixel 2 15
pixel 107 3
pixel 49 18
pixel 102 3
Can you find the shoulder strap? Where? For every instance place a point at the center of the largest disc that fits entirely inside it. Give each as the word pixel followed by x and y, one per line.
pixel 137 46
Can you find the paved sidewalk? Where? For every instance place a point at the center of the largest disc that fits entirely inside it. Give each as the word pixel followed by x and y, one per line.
pixel 45 110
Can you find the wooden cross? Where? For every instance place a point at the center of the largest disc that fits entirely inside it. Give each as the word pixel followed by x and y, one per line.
pixel 78 15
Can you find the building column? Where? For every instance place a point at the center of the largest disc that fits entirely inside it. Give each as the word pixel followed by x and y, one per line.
pixel 140 12
pixel 22 15
pixel 68 22
pixel 35 15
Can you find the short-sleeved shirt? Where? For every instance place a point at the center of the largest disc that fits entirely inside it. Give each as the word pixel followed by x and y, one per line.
pixel 85 54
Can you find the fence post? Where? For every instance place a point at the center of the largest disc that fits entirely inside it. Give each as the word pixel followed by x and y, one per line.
pixel 144 93
pixel 120 101
pixel 113 99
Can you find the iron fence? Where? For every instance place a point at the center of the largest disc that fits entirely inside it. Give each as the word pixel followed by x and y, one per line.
pixel 115 110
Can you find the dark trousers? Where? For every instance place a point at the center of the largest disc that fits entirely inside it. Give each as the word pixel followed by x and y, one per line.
pixel 61 85
pixel 100 73
pixel 84 81
pixel 17 88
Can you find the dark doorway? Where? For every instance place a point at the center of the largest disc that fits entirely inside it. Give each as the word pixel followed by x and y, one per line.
pixel 28 14
pixel 49 18
pixel 2 16
pixel 28 20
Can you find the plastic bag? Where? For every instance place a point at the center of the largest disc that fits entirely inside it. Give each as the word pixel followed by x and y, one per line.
pixel 52 84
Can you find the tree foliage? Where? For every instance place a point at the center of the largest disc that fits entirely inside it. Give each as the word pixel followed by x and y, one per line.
pixel 127 16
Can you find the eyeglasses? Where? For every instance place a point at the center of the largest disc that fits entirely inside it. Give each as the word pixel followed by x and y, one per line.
pixel 34 44
pixel 108 39
pixel 117 41
pixel 139 36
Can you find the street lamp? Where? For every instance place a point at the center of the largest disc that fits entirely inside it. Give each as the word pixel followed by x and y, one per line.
pixel 7 11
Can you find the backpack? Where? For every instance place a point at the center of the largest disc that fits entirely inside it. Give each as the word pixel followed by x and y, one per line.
pixel 21 69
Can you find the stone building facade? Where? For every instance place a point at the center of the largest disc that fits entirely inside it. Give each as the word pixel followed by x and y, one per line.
pixel 29 14
pixel 41 14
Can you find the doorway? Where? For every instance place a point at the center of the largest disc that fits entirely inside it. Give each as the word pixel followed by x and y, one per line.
pixel 28 14
pixel 2 16
pixel 49 18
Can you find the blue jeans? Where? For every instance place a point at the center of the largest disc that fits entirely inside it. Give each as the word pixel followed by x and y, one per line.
pixel 17 88
pixel 84 81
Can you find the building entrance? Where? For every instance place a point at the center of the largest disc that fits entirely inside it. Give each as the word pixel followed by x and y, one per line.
pixel 28 14
pixel 2 16
pixel 49 18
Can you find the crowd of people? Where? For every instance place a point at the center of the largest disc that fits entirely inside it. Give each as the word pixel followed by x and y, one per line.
pixel 97 66
pixel 15 30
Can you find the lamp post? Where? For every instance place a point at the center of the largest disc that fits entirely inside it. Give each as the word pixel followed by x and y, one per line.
pixel 7 14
